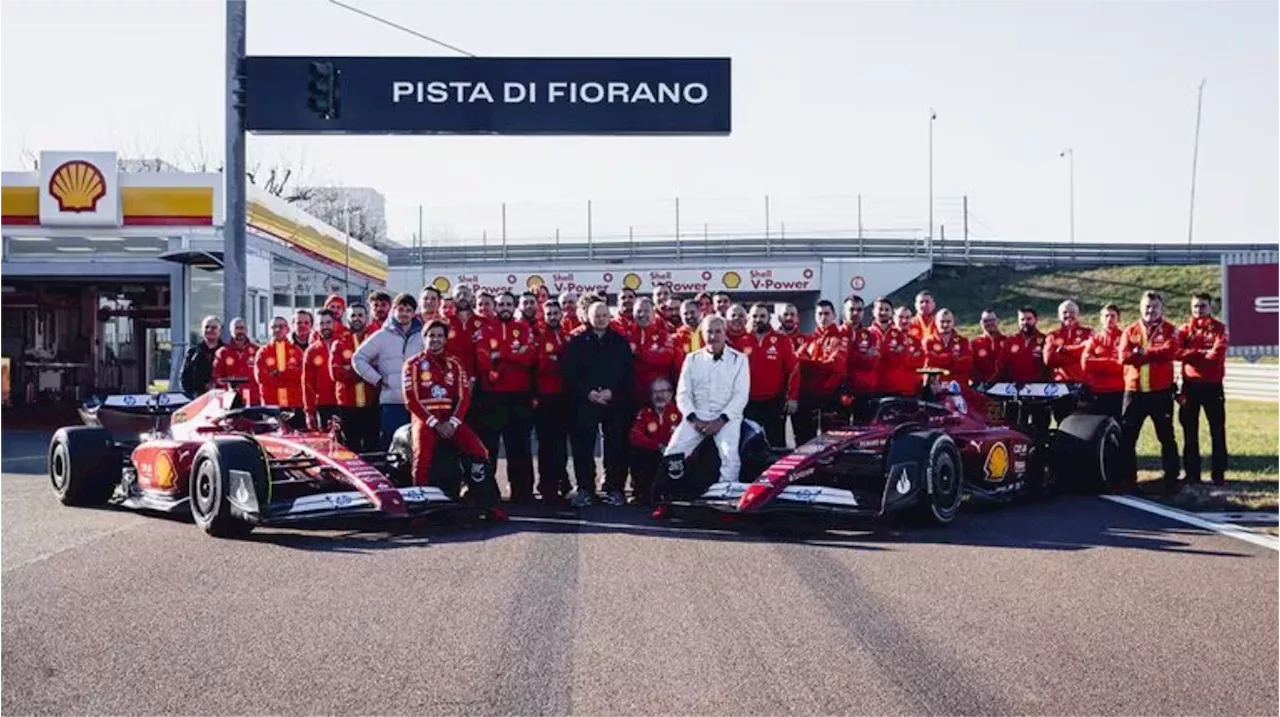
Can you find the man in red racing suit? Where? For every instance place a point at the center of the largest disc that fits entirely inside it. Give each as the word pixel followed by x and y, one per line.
pixel 437 394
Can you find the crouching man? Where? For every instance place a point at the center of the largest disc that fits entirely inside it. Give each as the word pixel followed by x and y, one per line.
pixel 650 435
pixel 437 394
pixel 712 393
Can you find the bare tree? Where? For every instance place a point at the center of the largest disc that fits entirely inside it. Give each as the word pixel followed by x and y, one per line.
pixel 358 212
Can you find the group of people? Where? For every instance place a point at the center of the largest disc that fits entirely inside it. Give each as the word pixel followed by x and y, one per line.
pixel 657 375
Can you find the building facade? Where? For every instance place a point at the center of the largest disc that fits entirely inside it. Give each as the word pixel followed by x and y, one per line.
pixel 107 275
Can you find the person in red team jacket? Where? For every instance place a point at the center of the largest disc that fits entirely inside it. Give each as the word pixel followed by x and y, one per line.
pixel 1063 348
pixel 1204 356
pixel 652 346
pixel 823 363
pixel 650 434
pixel 319 393
pixel 1100 361
pixel 235 361
pixel 551 411
pixel 687 337
pixel 900 356
pixel 864 359
pixel 358 399
pixel 1148 349
pixel 505 357
pixel 437 394
pixel 569 310
pixel 338 307
pixel 1024 351
pixel 988 350
pixel 775 377
pixel 277 368
pixel 947 349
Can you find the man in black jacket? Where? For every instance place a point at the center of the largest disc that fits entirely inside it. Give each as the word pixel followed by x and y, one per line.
pixel 599 379
pixel 197 366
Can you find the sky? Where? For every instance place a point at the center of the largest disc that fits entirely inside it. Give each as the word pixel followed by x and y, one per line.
pixel 831 101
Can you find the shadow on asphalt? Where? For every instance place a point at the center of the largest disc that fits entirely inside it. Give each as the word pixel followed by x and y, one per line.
pixel 1068 524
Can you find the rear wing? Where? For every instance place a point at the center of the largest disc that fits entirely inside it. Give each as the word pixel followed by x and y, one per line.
pixel 1046 391
pixel 143 402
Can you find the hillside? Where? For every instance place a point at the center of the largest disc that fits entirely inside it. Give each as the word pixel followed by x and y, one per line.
pixel 967 291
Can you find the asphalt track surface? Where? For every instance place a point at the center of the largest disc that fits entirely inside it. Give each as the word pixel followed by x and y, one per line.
pixel 1077 606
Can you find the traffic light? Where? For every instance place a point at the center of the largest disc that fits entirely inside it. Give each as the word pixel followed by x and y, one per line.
pixel 322 90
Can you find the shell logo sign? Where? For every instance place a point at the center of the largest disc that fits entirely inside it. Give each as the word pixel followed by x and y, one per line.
pixel 442 284
pixel 632 281
pixel 534 282
pixel 731 280
pixel 77 186
pixel 79 189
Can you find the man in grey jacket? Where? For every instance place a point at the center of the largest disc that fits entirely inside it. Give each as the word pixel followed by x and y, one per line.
pixel 380 361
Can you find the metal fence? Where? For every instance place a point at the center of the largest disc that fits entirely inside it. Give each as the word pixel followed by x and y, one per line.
pixel 957 252
pixel 1252 382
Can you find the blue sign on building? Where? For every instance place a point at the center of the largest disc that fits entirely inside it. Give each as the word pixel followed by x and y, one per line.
pixel 491 95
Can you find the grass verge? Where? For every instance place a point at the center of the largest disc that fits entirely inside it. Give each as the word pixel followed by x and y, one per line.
pixel 1253 481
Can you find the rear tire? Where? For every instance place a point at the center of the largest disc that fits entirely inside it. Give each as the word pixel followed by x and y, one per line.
pixel 943 489
pixel 400 457
pixel 1085 453
pixel 84 465
pixel 211 484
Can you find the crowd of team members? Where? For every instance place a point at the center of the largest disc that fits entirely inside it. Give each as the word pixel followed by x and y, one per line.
pixel 483 371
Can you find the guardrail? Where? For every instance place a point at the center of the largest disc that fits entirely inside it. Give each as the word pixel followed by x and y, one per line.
pixel 1252 382
pixel 957 252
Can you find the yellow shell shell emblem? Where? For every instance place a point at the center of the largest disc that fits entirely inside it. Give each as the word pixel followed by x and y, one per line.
pixel 164 471
pixel 732 280
pixel 77 185
pixel 997 465
pixel 631 281
pixel 534 282
pixel 441 284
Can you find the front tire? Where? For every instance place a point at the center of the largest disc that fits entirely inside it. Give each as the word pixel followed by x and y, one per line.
pixel 1086 451
pixel 84 466
pixel 943 489
pixel 210 488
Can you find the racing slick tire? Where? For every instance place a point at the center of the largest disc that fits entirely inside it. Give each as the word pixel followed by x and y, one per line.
pixel 943 475
pixel 1085 453
pixel 211 483
pixel 84 465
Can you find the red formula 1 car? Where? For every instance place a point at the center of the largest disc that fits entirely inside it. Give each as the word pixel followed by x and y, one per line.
pixel 232 466
pixel 919 456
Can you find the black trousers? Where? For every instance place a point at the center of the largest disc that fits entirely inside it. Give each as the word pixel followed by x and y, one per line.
pixel 298 421
pixel 361 427
pixel 1107 404
pixel 1210 397
pixel 768 413
pixel 644 468
pixel 807 419
pixel 864 406
pixel 551 423
pixel 587 420
pixel 507 419
pixel 1158 406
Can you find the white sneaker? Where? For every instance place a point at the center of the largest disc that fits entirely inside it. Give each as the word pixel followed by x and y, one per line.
pixel 582 499
pixel 615 497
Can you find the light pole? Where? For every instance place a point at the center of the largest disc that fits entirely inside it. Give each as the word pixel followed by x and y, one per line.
pixel 932 116
pixel 1195 157
pixel 1071 188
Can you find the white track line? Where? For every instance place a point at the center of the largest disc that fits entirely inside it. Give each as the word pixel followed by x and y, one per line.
pixel 17 459
pixel 1231 531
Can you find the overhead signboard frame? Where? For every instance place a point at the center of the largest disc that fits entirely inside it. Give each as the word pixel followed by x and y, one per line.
pixel 488 95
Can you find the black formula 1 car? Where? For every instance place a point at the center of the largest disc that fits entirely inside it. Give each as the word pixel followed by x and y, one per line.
pixel 232 466
pixel 917 456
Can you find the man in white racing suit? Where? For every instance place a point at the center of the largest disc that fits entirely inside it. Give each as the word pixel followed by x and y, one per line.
pixel 715 383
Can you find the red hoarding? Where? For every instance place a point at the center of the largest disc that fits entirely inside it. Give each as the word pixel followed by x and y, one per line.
pixel 1253 304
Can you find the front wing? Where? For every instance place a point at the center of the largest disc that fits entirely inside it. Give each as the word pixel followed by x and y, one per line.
pixel 725 497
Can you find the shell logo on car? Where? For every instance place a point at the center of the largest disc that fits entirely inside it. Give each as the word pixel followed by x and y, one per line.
pixel 442 284
pixel 631 281
pixel 997 465
pixel 731 280
pixel 77 186
pixel 164 471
